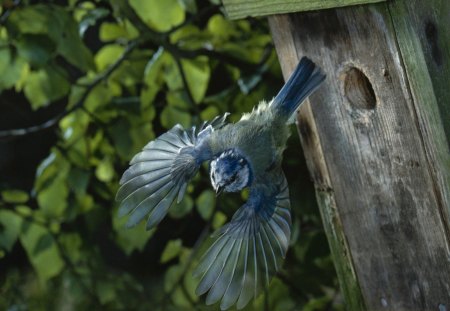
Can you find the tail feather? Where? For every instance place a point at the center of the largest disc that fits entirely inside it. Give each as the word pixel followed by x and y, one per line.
pixel 305 79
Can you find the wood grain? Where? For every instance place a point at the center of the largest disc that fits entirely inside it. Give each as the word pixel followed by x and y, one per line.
pixel 236 9
pixel 375 167
pixel 422 32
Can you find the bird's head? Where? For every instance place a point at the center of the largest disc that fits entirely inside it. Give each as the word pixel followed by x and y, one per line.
pixel 230 172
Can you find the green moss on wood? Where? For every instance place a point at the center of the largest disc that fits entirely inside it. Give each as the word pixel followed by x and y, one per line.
pixel 340 251
pixel 239 8
pixel 423 37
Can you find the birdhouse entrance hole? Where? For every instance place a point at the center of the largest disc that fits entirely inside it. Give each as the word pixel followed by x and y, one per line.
pixel 358 89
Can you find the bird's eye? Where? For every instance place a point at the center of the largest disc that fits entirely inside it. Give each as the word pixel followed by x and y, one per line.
pixel 233 178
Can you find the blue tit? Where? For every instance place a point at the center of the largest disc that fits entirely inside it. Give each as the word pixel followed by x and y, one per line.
pixel 249 249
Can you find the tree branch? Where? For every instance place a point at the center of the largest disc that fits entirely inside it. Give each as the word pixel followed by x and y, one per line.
pixel 208 11
pixel 54 121
pixel 8 11
pixel 162 39
pixel 186 86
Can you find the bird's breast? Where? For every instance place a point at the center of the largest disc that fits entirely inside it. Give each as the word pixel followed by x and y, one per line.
pixel 254 141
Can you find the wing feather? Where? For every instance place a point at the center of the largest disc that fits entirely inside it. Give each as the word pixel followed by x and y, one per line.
pixel 223 280
pixel 148 204
pixel 235 287
pixel 158 175
pixel 130 202
pixel 161 209
pixel 248 250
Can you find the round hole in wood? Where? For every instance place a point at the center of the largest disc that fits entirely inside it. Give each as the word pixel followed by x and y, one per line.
pixel 358 89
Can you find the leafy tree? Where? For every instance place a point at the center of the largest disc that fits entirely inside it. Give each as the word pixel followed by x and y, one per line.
pixel 84 85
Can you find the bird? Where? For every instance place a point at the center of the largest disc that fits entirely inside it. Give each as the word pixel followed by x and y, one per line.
pixel 249 250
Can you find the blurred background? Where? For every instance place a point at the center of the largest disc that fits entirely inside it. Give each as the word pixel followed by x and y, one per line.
pixel 84 85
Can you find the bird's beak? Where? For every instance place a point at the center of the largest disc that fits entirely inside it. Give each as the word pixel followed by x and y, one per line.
pixel 219 190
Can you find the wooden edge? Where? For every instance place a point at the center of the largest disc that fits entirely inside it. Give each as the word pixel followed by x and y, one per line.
pixel 237 9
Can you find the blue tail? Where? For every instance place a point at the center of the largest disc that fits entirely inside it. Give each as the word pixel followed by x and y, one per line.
pixel 305 79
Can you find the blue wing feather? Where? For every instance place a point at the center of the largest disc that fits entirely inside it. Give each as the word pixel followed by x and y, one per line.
pixel 158 175
pixel 248 250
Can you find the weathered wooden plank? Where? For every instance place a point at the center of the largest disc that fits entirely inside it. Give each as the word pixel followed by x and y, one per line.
pixel 239 9
pixel 363 136
pixel 422 32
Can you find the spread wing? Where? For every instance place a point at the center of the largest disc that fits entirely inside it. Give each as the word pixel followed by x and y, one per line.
pixel 160 172
pixel 249 250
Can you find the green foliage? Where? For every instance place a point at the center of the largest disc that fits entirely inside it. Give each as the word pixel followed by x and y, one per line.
pixel 127 71
pixel 173 248
pixel 159 15
pixel 11 224
pixel 205 204
pixel 42 250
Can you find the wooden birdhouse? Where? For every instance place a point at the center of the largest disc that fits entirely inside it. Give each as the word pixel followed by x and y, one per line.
pixel 376 139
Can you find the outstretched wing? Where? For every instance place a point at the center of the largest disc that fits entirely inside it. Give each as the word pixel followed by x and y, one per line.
pixel 249 250
pixel 160 172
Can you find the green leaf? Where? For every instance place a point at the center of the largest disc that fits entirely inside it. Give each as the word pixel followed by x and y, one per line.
pixel 120 133
pixel 11 66
pixel 130 239
pixel 50 184
pixel 44 242
pixel 172 250
pixel 73 128
pixel 47 169
pixel 52 200
pixel 30 19
pixel 10 225
pixel 108 55
pixel 277 298
pixel 197 73
pixel 316 304
pixel 173 115
pixel 141 134
pixel 36 48
pixel 90 19
pixel 78 180
pixel 72 243
pixel 106 292
pixel 172 277
pixel 209 113
pixel 153 76
pixel 183 208
pixel 159 15
pixel 113 31
pixel 190 37
pixel 190 284
pixel 85 203
pixel 205 204
pixel 189 6
pixel 219 220
pixel 15 196
pixel 105 170
pixel 44 86
pixel 221 28
pixel 58 24
pixel 98 98
pixel 47 263
pixel 24 210
pixel 180 300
